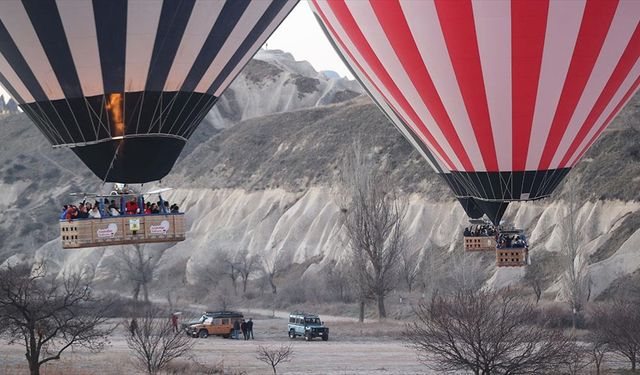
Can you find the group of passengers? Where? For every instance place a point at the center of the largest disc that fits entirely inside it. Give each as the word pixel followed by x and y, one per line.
pixel 511 241
pixel 484 230
pixel 109 208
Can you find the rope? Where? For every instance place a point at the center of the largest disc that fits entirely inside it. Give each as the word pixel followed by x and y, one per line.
pixel 115 156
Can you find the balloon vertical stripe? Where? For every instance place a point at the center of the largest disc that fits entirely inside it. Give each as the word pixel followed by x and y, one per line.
pixel 358 67
pixel 173 22
pixel 395 26
pixel 229 16
pixel 625 99
pixel 19 65
pixel 111 28
pixel 45 18
pixel 457 22
pixel 527 45
pixel 353 32
pixel 593 30
pixel 622 70
pixel 241 51
pixel 394 117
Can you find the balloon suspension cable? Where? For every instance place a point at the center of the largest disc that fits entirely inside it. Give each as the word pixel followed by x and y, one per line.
pixel 113 160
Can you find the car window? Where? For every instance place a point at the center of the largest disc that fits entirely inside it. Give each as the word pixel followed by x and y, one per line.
pixel 292 319
pixel 225 321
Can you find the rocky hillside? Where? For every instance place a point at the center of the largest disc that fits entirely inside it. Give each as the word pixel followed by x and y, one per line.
pixel 266 184
pixel 275 82
pixel 272 82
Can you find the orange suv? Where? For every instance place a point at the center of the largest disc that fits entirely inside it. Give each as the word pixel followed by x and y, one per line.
pixel 218 323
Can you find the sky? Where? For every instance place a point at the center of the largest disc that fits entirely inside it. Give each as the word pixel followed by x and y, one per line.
pixel 300 35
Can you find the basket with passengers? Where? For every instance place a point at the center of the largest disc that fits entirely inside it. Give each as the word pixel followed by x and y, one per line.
pixel 120 218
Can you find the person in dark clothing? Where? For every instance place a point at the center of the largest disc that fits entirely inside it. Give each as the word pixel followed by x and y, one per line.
pixel 250 329
pixel 243 327
pixel 236 329
pixel 133 327
pixel 174 323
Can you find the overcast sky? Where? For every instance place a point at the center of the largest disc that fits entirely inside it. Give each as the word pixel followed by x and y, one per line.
pixel 301 35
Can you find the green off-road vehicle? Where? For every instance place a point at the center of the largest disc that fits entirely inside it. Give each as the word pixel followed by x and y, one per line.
pixel 306 325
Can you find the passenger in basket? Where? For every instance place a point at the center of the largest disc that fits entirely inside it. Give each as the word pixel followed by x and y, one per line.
pixel 155 209
pixel 147 208
pixel 82 211
pixel 95 213
pixel 131 207
pixel 113 211
pixel 72 213
pixel 63 214
pixel 174 209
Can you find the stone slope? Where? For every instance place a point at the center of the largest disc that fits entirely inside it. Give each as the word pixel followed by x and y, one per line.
pixel 266 185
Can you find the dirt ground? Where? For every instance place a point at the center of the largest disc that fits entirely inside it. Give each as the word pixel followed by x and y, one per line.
pixel 353 348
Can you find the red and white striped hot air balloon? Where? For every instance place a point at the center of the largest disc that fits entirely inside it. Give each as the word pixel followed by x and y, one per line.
pixel 502 97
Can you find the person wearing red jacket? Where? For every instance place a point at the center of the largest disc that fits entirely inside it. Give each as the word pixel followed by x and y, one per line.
pixel 131 207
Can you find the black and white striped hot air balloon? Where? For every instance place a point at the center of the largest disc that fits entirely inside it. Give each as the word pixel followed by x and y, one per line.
pixel 124 83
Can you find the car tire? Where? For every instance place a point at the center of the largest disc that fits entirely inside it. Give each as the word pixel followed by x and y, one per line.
pixel 203 334
pixel 325 337
pixel 292 334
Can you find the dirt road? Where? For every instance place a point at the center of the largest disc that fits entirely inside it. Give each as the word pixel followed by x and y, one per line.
pixel 351 349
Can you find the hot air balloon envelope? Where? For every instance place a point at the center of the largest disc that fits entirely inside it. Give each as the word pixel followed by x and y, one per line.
pixel 125 83
pixel 506 96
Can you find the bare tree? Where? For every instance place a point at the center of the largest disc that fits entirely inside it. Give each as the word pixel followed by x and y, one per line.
pixel 231 269
pixel 578 361
pixel 486 333
pixel 273 267
pixel 154 343
pixel 534 278
pixel 373 221
pixel 359 280
pixel 410 265
pixel 211 274
pixel 618 325
pixel 465 271
pixel 224 300
pixel 137 269
pixel 431 271
pixel 49 315
pixel 576 282
pixel 247 264
pixel 337 279
pixel 598 347
pixel 274 356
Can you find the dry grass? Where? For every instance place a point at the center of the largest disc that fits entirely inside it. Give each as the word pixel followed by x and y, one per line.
pixel 67 368
pixel 195 367
pixel 372 329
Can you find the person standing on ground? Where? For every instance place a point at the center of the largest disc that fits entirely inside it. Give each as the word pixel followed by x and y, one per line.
pixel 250 329
pixel 243 327
pixel 236 328
pixel 174 322
pixel 133 327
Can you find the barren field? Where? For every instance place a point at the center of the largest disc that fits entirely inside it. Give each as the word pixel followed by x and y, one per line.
pixel 353 348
